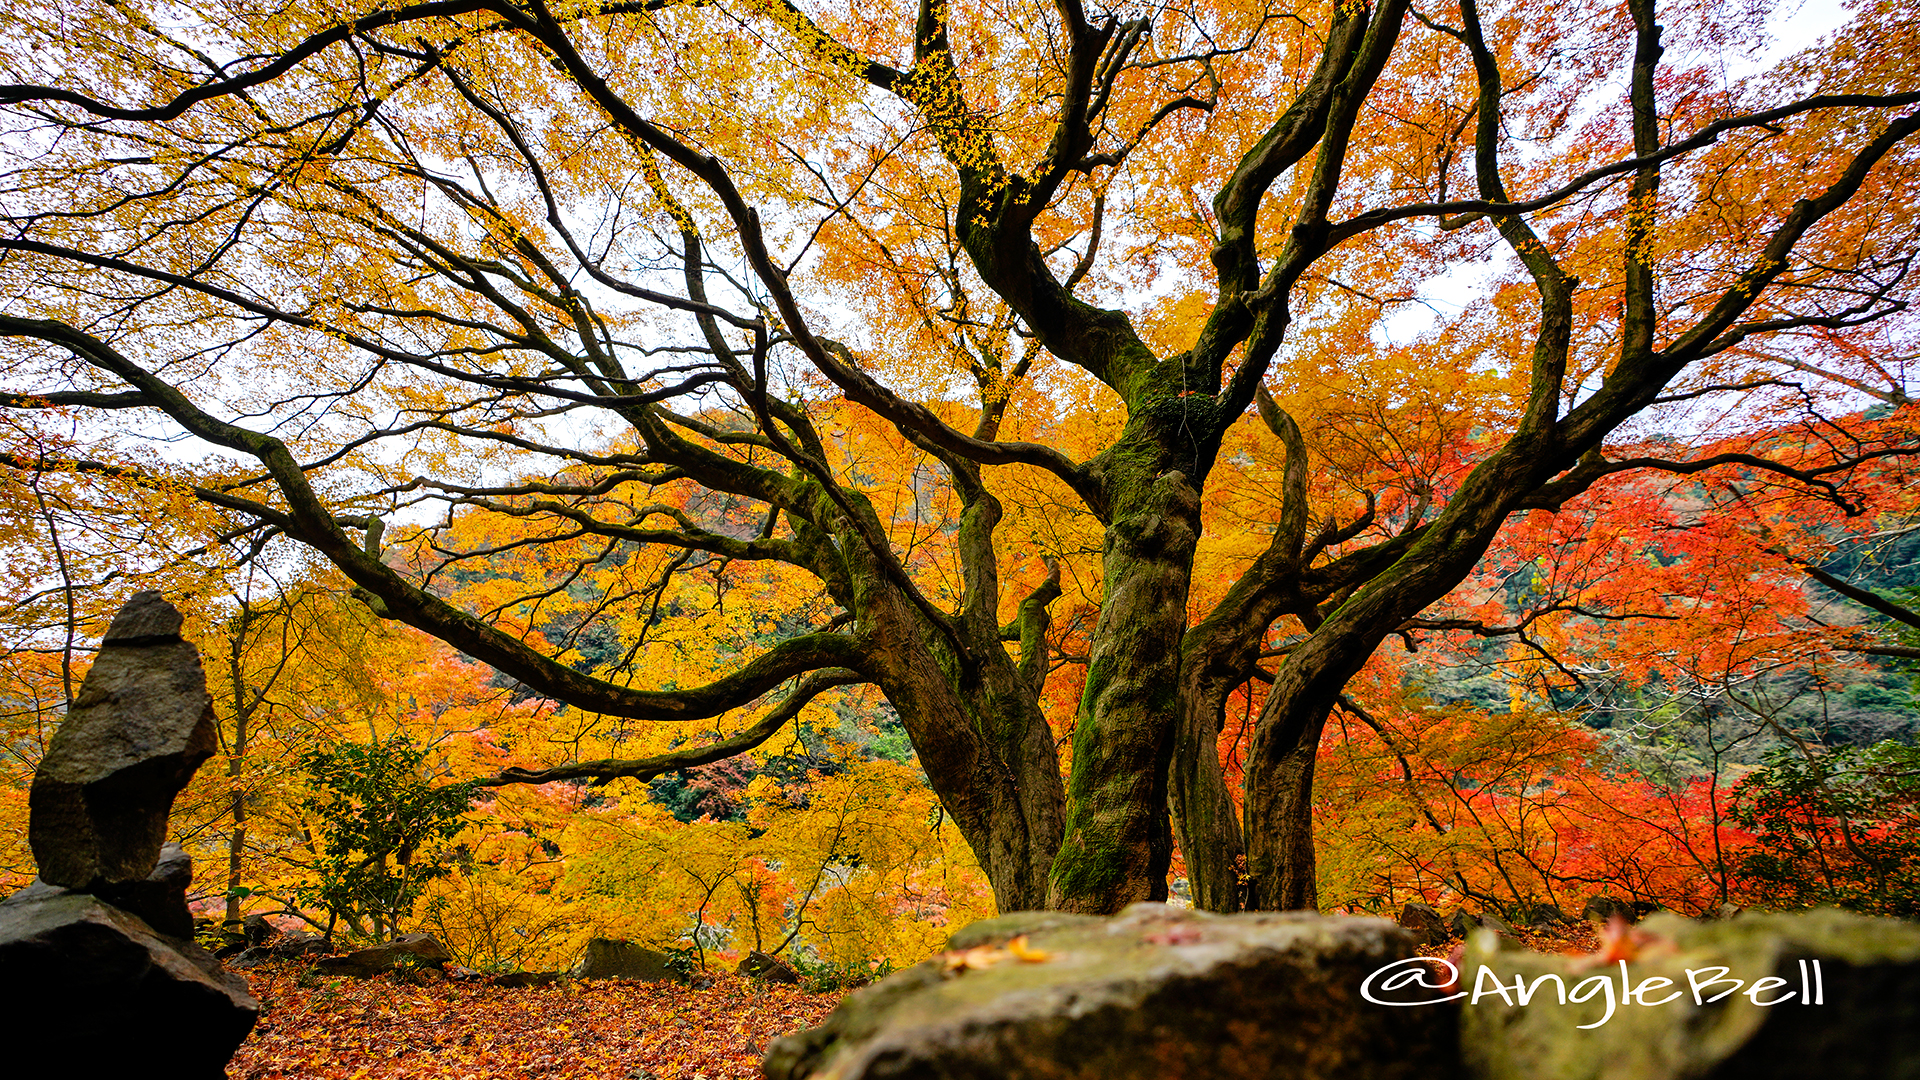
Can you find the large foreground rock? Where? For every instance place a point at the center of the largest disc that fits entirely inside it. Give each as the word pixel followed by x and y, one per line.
pixel 405 951
pixel 609 958
pixel 140 726
pixel 90 990
pixel 1156 992
pixel 1863 1022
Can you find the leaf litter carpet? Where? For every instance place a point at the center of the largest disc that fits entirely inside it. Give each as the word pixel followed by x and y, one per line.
pixel 369 1029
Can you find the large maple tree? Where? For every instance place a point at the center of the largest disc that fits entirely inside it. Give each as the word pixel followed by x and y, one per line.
pixel 608 292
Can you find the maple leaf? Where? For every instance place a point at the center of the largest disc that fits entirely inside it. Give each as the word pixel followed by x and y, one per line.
pixel 1622 941
pixel 1027 953
pixel 978 958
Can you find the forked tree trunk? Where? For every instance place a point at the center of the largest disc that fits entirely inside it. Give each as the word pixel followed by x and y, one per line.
pixel 986 749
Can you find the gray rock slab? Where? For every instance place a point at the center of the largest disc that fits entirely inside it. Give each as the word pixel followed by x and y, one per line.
pixel 407 950
pixel 767 968
pixel 1862 1024
pixel 140 726
pixel 1154 992
pixel 101 993
pixel 299 943
pixel 610 958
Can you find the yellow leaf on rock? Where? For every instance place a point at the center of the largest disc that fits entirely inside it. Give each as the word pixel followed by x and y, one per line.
pixel 1027 953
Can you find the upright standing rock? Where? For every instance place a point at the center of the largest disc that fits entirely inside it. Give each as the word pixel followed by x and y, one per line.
pixel 98 972
pixel 141 725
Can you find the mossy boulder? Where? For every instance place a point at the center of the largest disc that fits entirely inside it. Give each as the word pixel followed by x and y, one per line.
pixel 1154 992
pixel 612 958
pixel 1863 1019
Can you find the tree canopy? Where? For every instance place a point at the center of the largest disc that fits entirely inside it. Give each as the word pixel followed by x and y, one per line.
pixel 983 354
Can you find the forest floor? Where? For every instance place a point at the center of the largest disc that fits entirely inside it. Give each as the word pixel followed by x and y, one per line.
pixel 338 1028
pixel 1581 937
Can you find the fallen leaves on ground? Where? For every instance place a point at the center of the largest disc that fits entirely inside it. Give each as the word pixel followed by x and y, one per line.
pixel 1577 939
pixel 354 1029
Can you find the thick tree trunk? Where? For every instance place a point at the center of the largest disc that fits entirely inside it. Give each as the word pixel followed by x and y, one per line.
pixel 986 749
pixel 1119 842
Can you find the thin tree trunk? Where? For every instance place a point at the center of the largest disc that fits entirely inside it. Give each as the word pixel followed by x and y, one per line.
pixel 236 763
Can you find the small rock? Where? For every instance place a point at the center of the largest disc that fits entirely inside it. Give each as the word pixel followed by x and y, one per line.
pixel 407 950
pixel 1542 916
pixel 258 930
pixel 251 957
pixel 607 958
pixel 140 726
pixel 1498 925
pixel 1463 923
pixel 299 943
pixel 1602 908
pixel 767 968
pixel 1424 923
